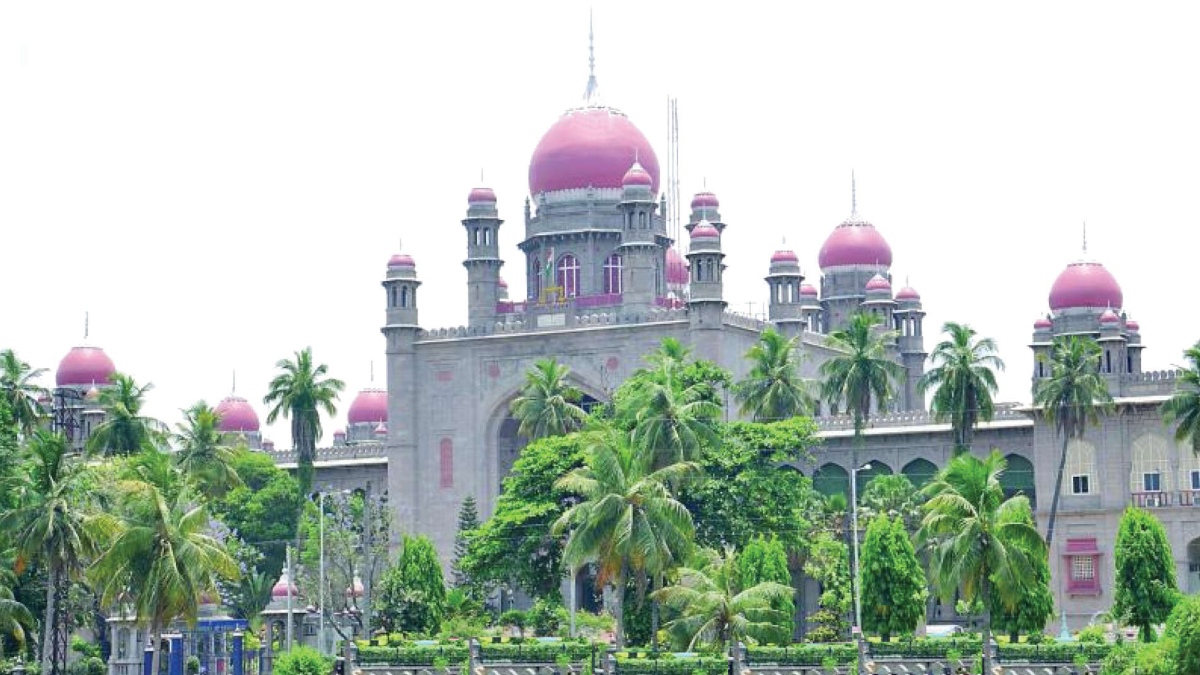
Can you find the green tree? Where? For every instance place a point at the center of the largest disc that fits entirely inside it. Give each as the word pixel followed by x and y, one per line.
pixel 202 453
pixel 263 511
pixel 10 454
pixel 54 526
pixel 300 391
pixel 862 372
pixel 1035 605
pixel 716 608
pixel 773 389
pixel 468 520
pixel 548 404
pixel 1072 397
pixel 20 391
pixel 1146 589
pixel 1183 625
pixel 413 597
pixel 628 521
pixel 893 581
pixel 765 559
pixel 963 378
pixel 892 495
pixel 1184 404
pixel 125 430
pixel 976 538
pixel 828 563
pixel 672 421
pixel 16 621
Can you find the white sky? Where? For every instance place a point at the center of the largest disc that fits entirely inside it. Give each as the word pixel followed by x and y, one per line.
pixel 222 183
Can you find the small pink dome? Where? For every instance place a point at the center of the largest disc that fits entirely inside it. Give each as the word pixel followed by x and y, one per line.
pixel 356 589
pixel 855 242
pixel 879 283
pixel 637 176
pixel 280 589
pixel 705 230
pixel 808 290
pixel 236 415
pixel 401 260
pixel 339 432
pixel 1109 317
pixel 784 256
pixel 908 293
pixel 1132 326
pixel 1043 324
pixel 481 195
pixel 83 366
pixel 502 283
pixel 1085 284
pixel 381 429
pixel 92 394
pixel 369 406
pixel 705 199
pixel 589 147
pixel 677 269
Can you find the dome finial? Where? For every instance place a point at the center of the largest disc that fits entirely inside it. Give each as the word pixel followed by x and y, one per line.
pixel 233 390
pixel 853 196
pixel 372 372
pixel 591 95
pixel 1085 238
pixel 85 326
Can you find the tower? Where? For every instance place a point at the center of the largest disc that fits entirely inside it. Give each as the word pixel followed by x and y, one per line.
pixel 483 262
pixel 400 333
pixel 784 281
pixel 909 319
pixel 641 249
pixel 706 303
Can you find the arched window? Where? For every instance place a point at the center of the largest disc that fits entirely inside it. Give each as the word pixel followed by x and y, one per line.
pixel 487 236
pixel 1081 467
pixel 446 462
pixel 612 274
pixel 1151 468
pixel 404 296
pixel 920 472
pixel 568 275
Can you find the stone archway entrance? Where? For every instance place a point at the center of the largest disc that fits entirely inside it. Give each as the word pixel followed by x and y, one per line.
pixel 509 443
pixel 1193 577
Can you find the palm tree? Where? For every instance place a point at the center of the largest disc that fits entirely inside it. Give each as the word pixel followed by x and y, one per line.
pixel 125 430
pixel 203 455
pixel 18 388
pixel 15 620
pixel 162 559
pixel 963 378
pixel 628 521
pixel 1072 397
pixel 862 371
pixel 672 420
pixel 300 391
pixel 773 389
pixel 54 526
pixel 714 608
pixel 892 495
pixel 548 405
pixel 1184 405
pixel 976 537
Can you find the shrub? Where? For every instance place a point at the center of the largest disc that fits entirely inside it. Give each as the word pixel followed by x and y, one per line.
pixel 89 665
pixel 545 617
pixel 303 661
pixel 1093 634
pixel 1184 627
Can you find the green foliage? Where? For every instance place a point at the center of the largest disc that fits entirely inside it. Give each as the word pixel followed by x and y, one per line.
pixel 300 392
pixel 1183 626
pixel 1184 405
pixel 1146 589
pixel 862 372
pixel 454 654
pixel 803 654
pixel 546 616
pixel 302 661
pixel 84 648
pixel 1028 612
pixel 515 545
pixel 192 665
pixel 893 581
pixel 773 389
pixel 468 520
pixel 263 511
pixel 89 665
pixel 413 594
pixel 891 495
pixel 829 564
pixel 1094 634
pixel 963 377
pixel 765 559
pixel 665 665
pixel 742 493
pixel 548 404
pixel 517 618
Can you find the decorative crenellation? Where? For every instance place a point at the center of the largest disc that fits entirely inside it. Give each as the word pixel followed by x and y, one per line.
pixel 579 195
pixel 366 450
pixel 1152 376
pixel 743 321
pixel 652 315
pixel 904 419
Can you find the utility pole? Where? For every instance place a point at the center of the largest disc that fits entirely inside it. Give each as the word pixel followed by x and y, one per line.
pixel 289 598
pixel 368 566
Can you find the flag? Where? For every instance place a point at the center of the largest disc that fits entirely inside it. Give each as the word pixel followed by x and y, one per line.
pixel 548 270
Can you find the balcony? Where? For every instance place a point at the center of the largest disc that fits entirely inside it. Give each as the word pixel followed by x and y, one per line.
pixel 1153 500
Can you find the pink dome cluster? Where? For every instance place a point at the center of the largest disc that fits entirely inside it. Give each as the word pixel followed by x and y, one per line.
pixel 236 415
pixel 590 147
pixel 677 269
pixel 370 405
pixel 1085 284
pixel 84 365
pixel 705 230
pixel 855 242
pixel 705 200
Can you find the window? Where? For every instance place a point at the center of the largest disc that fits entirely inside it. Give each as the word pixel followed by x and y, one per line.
pixel 1196 480
pixel 612 274
pixel 404 296
pixel 1081 559
pixel 1150 470
pixel 446 461
pixel 568 275
pixel 1081 485
pixel 1152 482
pixel 1083 569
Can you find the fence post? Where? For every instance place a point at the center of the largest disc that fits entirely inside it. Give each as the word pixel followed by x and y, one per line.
pixel 610 661
pixel 474 654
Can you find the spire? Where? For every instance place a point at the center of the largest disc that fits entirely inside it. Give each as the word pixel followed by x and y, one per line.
pixel 853 196
pixel 85 326
pixel 1085 238
pixel 233 391
pixel 591 95
pixel 372 372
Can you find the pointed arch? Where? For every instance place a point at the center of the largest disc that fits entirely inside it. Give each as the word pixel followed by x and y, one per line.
pixel 876 468
pixel 1151 466
pixel 831 479
pixel 1018 478
pixel 919 472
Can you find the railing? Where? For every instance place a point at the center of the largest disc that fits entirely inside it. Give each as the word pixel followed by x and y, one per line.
pixel 908 418
pixel 1189 497
pixel 601 300
pixel 1153 500
pixel 507 307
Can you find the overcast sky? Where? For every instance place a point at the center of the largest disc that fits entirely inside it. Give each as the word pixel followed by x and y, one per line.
pixel 222 183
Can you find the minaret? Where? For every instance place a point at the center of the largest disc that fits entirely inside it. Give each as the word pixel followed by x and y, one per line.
pixel 706 303
pixel 400 334
pixel 705 206
pixel 909 320
pixel 784 283
pixel 483 262
pixel 642 254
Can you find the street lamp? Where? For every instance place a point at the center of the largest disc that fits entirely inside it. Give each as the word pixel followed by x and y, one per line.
pixel 854 574
pixel 321 599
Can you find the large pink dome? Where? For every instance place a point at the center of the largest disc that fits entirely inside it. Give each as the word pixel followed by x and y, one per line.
pixel 855 242
pixel 1085 284
pixel 590 147
pixel 369 406
pixel 84 366
pixel 236 415
pixel 677 270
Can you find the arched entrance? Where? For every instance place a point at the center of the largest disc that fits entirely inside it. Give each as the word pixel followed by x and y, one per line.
pixel 1017 479
pixel 831 479
pixel 1193 578
pixel 509 443
pixel 919 472
pixel 874 468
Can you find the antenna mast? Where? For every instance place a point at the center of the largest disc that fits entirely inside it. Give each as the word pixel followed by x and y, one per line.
pixel 674 215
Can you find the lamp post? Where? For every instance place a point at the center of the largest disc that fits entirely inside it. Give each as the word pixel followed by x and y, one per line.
pixel 854 574
pixel 321 594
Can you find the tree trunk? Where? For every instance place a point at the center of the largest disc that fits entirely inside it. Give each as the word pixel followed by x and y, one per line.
pixel 985 590
pixel 1062 466
pixel 619 608
pixel 156 655
pixel 48 622
pixel 654 586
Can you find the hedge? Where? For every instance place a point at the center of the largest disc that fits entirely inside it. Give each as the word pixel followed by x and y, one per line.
pixel 803 654
pixel 455 655
pixel 671 665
